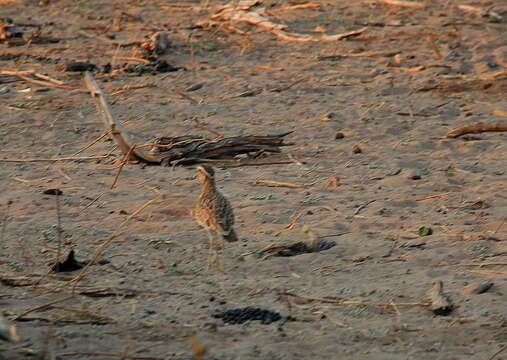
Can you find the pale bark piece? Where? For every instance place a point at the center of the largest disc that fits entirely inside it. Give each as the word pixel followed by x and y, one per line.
pixel 407 4
pixel 440 304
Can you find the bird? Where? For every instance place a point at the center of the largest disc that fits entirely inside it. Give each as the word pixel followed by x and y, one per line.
pixel 214 213
pixel 8 332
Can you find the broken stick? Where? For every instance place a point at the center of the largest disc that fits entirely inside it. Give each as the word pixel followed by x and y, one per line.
pixel 407 4
pixel 119 135
pixel 477 128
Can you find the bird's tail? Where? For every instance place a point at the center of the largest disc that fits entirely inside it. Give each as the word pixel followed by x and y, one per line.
pixel 231 236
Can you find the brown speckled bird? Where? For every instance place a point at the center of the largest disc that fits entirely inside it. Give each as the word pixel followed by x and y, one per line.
pixel 214 212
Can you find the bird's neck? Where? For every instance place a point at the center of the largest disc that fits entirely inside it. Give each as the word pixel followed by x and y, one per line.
pixel 208 185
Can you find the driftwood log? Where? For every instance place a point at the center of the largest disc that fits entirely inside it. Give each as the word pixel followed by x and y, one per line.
pixel 181 149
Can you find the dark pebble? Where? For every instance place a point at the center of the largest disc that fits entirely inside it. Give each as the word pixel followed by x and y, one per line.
pixel 339 135
pixel 356 149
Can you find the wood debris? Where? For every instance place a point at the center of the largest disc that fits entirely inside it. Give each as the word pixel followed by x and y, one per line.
pixel 283 184
pixel 477 128
pixel 440 304
pixel 180 149
pixel 251 12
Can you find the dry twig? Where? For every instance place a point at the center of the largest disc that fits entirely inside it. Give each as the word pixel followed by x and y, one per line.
pixel 283 184
pixel 57 159
pixel 477 128
pixel 407 4
pixel 432 196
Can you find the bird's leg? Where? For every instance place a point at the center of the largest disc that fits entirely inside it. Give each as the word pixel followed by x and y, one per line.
pixel 211 249
pixel 219 253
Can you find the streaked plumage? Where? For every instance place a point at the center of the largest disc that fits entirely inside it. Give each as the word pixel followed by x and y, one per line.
pixel 214 212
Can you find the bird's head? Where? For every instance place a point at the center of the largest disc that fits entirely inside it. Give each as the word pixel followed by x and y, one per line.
pixel 206 172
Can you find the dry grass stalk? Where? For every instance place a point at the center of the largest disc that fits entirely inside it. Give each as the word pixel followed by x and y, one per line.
pixel 42 307
pixel 362 54
pixel 307 38
pixel 117 91
pixel 123 162
pixel 92 143
pixel 500 226
pixel 69 158
pixel 434 46
pixel 31 72
pixel 93 260
pixel 93 201
pixel 407 4
pixel 479 265
pixel 432 196
pixel 4 222
pixel 52 82
pixel 144 206
pixel 297 7
pixel 283 184
pixel 354 303
pixel 108 355
pixel 484 272
pixel 59 228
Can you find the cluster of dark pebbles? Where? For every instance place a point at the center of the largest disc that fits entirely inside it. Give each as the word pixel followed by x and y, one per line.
pixel 242 315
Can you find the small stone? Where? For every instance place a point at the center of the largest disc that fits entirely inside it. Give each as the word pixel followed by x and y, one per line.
pixel 331 116
pixel 339 135
pixel 415 176
pixel 356 149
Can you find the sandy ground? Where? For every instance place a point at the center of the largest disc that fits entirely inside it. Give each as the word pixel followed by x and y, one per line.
pixel 150 289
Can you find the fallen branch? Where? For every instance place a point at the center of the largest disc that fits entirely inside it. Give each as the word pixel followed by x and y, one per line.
pixel 476 129
pixel 180 149
pixel 117 132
